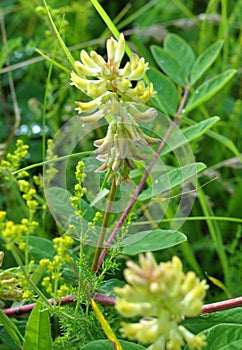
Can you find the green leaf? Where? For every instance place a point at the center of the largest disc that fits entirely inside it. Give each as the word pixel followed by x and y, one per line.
pixel 180 49
pixel 181 137
pixel 171 179
pixel 59 38
pixel 11 328
pixel 169 64
pixel 40 248
pixel 38 333
pixel 223 336
pixel 226 142
pixel 199 324
pixel 220 138
pixel 209 88
pixel 166 90
pixel 152 240
pixel 60 204
pixel 106 345
pixel 204 61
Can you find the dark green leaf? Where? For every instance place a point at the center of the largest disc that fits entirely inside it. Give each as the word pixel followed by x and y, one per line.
pixel 38 333
pixel 223 337
pixel 169 64
pixel 152 240
pixel 182 137
pixel 199 324
pixel 11 328
pixel 204 61
pixel 166 91
pixel 106 345
pixel 180 49
pixel 171 179
pixel 209 88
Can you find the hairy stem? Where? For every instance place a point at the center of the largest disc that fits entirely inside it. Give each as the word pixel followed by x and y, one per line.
pixel 143 180
pixel 104 225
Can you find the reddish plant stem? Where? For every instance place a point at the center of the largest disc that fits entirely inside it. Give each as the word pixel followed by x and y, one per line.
pixel 105 299
pixel 26 309
pixel 143 180
pixel 222 305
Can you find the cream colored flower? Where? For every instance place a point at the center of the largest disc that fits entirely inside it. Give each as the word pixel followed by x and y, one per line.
pixel 162 294
pixel 120 92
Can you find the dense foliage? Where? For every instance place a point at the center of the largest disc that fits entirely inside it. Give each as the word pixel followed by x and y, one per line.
pixel 181 86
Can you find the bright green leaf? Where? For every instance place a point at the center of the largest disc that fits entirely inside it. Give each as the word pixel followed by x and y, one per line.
pixel 223 336
pixel 38 332
pixel 169 64
pixel 178 139
pixel 106 345
pixel 166 91
pixel 204 61
pixel 209 88
pixel 151 241
pixel 199 324
pixel 105 326
pixel 171 179
pixel 180 49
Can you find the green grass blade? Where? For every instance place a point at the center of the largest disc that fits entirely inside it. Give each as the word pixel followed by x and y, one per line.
pixel 59 38
pixel 11 328
pixel 103 14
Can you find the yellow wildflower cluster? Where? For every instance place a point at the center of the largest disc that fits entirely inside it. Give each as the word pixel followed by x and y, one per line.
pixel 13 233
pixel 13 160
pixel 119 92
pixel 163 295
pixel 54 267
pixel 79 190
pixel 28 195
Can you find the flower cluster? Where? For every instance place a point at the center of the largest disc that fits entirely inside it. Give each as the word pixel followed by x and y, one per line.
pixel 53 283
pixel 13 160
pixel 13 233
pixel 163 295
pixel 119 92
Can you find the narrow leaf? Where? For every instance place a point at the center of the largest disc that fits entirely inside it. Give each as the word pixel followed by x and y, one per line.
pixel 38 333
pixel 59 38
pixel 220 138
pixel 11 328
pixel 171 179
pixel 169 64
pixel 220 285
pixel 166 90
pixel 209 88
pixel 180 49
pixel 180 138
pixel 204 61
pixel 151 241
pixel 105 326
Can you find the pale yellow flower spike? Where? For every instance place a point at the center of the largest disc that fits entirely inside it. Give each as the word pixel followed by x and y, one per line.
pixel 113 90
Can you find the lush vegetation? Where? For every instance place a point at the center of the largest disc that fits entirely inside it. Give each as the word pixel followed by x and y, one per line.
pixel 151 163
